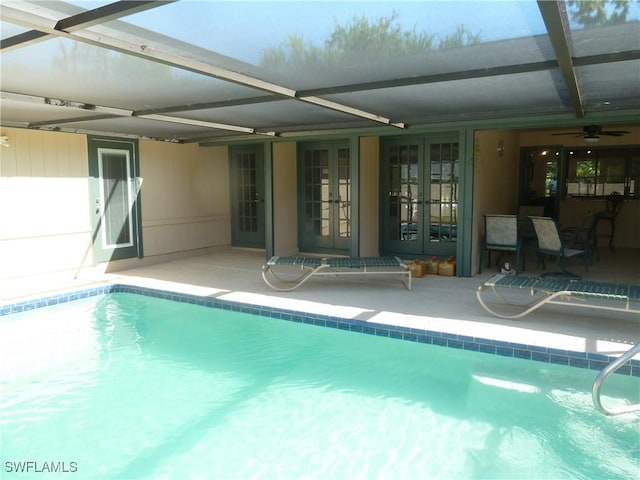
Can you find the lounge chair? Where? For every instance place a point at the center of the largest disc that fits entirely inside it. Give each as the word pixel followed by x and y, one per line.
pixel 558 291
pixel 307 267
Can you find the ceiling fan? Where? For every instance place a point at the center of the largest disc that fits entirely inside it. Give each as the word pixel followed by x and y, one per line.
pixel 591 133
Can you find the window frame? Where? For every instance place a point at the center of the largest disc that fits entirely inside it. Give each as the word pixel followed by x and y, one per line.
pixel 601 184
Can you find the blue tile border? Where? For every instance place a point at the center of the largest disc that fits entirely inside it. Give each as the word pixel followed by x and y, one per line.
pixel 592 361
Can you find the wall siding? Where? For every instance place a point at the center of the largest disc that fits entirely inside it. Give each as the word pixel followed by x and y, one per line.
pixel 185 197
pixel 44 210
pixel 45 223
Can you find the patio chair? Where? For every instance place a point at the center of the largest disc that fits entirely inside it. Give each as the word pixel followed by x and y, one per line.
pixel 613 205
pixel 525 211
pixel 549 242
pixel 501 235
pixel 583 237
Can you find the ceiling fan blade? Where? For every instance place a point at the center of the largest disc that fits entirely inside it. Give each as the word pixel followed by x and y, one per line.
pixel 614 133
pixel 578 134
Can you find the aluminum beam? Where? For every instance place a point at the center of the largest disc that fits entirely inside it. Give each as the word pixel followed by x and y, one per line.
pixel 23 14
pixel 82 20
pixel 555 19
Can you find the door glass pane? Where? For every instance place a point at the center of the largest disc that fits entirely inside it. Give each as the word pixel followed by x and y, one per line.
pixel 344 194
pixel 403 192
pixel 443 196
pixel 317 201
pixel 247 196
pixel 115 197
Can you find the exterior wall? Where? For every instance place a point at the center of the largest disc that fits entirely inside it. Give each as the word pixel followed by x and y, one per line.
pixel 45 223
pixel 285 200
pixel 44 209
pixel 495 180
pixel 185 197
pixel 369 196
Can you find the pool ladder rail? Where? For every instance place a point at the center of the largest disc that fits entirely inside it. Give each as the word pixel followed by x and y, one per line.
pixel 602 376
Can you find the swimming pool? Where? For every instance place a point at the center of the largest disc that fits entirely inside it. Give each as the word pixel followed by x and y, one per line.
pixel 129 386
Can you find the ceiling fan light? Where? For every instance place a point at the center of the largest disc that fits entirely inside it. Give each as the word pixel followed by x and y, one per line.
pixel 591 139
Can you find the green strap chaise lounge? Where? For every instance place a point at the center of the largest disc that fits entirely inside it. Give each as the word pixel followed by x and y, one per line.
pixel 296 270
pixel 559 291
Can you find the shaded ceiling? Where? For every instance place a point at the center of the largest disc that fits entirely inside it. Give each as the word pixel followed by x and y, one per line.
pixel 207 71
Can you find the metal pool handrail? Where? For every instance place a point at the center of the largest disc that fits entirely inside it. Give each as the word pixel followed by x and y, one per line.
pixel 602 376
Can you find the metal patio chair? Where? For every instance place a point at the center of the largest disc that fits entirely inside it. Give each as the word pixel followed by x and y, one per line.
pixel 549 242
pixel 583 237
pixel 613 205
pixel 501 234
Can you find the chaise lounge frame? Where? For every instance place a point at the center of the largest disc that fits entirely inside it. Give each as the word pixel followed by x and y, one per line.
pixel 324 266
pixel 547 290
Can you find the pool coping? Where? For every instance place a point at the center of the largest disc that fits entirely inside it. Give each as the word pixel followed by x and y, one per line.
pixel 586 360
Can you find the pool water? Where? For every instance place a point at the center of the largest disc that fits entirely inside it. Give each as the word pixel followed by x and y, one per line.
pixel 125 386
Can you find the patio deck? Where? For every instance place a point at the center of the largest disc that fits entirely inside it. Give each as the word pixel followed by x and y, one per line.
pixel 445 304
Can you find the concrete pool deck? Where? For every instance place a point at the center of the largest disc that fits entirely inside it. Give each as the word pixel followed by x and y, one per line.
pixel 442 304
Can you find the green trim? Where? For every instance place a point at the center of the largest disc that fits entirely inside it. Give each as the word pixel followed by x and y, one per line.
pixel 354 154
pixel 131 145
pixel 422 246
pixel 386 245
pixel 315 243
pixel 464 248
pixel 251 239
pixel 269 231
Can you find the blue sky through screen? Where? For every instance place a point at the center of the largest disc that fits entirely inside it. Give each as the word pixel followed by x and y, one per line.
pixel 243 29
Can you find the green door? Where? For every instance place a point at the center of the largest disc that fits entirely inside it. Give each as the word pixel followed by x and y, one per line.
pixel 115 203
pixel 419 202
pixel 247 196
pixel 324 180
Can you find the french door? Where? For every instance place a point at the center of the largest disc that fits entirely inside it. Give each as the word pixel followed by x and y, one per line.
pixel 419 185
pixel 247 196
pixel 324 181
pixel 115 204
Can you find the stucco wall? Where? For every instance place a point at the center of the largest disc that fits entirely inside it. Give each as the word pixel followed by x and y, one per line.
pixel 495 180
pixel 285 211
pixel 369 196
